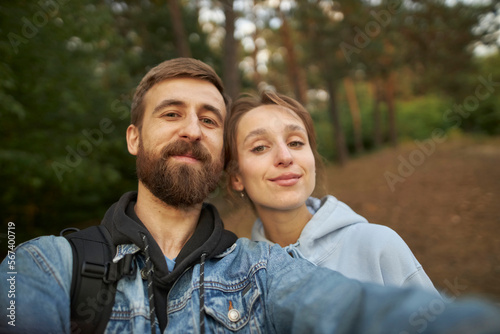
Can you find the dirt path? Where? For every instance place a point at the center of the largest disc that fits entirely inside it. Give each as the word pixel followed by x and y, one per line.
pixel 445 203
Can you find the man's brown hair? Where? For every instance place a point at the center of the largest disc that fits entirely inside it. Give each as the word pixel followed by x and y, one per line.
pixel 169 69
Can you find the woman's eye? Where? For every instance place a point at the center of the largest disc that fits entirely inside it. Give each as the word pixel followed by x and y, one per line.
pixel 296 144
pixel 258 149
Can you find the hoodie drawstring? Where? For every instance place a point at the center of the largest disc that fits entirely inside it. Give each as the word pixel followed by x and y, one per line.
pixel 149 274
pixel 202 293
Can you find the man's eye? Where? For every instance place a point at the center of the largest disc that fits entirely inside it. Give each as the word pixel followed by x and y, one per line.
pixel 171 114
pixel 208 121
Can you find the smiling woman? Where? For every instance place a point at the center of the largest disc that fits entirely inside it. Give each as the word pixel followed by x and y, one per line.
pixel 271 159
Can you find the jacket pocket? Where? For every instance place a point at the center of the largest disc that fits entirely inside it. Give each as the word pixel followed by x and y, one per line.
pixel 234 308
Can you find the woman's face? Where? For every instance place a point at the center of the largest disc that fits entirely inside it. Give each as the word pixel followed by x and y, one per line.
pixel 276 164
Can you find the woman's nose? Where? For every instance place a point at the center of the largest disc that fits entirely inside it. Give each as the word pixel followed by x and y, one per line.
pixel 284 157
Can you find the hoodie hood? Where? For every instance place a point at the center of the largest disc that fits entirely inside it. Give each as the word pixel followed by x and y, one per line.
pixel 209 237
pixel 329 216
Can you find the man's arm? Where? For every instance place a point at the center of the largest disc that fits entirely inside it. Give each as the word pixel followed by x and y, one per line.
pixel 303 298
pixel 36 281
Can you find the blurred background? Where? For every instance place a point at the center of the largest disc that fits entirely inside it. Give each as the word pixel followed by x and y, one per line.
pixel 405 96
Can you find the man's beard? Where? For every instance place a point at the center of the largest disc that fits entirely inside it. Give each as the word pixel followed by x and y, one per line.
pixel 179 184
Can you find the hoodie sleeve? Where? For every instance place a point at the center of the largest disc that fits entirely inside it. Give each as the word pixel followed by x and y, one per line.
pixel 391 257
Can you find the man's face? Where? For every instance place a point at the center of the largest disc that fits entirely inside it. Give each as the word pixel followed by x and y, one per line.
pixel 179 147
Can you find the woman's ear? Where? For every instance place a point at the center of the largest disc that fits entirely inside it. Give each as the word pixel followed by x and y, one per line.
pixel 133 137
pixel 237 183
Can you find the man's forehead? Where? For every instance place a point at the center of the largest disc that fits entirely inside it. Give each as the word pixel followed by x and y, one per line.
pixel 190 91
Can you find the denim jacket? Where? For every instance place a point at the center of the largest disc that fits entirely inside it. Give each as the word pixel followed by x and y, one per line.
pixel 250 288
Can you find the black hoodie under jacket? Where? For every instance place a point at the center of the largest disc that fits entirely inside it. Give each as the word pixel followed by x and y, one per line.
pixel 210 238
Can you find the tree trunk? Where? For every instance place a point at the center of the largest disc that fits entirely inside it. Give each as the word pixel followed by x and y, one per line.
pixel 256 75
pixel 377 122
pixel 231 73
pixel 391 111
pixel 355 114
pixel 181 42
pixel 337 127
pixel 295 74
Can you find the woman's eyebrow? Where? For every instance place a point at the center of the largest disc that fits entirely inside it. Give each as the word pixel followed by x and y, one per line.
pixel 254 133
pixel 294 128
pixel 261 131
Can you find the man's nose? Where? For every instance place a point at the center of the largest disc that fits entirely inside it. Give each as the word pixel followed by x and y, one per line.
pixel 283 157
pixel 191 128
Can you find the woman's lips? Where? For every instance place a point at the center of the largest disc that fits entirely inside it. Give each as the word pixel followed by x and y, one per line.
pixel 286 180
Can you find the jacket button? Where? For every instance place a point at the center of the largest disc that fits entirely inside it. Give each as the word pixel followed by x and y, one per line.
pixel 233 315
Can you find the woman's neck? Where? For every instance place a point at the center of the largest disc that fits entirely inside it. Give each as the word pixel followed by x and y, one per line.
pixel 284 226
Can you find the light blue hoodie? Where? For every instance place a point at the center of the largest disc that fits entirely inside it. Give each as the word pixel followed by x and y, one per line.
pixel 338 238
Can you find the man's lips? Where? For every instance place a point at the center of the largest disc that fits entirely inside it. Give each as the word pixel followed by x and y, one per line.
pixel 287 179
pixel 185 157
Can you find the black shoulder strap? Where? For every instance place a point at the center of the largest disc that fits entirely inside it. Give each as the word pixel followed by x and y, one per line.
pixel 95 277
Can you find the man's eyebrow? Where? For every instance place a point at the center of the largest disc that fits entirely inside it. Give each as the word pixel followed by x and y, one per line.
pixel 167 103
pixel 173 102
pixel 214 110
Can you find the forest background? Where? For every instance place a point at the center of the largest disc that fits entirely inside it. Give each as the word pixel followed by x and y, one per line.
pixel 375 75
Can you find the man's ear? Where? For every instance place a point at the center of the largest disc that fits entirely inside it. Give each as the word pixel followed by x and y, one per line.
pixel 237 183
pixel 133 137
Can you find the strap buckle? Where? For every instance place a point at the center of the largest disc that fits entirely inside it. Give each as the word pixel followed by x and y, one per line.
pixel 93 270
pixel 114 271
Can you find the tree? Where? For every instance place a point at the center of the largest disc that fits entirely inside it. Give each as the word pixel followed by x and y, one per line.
pixel 231 73
pixel 355 113
pixel 67 73
pixel 176 18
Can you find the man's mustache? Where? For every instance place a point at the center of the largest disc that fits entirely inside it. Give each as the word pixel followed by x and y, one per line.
pixel 181 147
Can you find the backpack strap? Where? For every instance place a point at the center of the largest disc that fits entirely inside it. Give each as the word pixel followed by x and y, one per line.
pixel 95 278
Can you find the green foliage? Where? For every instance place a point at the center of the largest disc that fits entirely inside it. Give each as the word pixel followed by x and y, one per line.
pixel 418 117
pixel 67 72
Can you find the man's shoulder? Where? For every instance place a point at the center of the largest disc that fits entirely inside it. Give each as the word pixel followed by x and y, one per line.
pixel 246 248
pixel 256 251
pixel 247 245
pixel 46 244
pixel 47 251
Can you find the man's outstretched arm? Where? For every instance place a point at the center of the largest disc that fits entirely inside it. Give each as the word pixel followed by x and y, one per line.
pixel 304 298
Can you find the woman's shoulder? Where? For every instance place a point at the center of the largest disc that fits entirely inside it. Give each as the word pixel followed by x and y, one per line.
pixel 381 235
